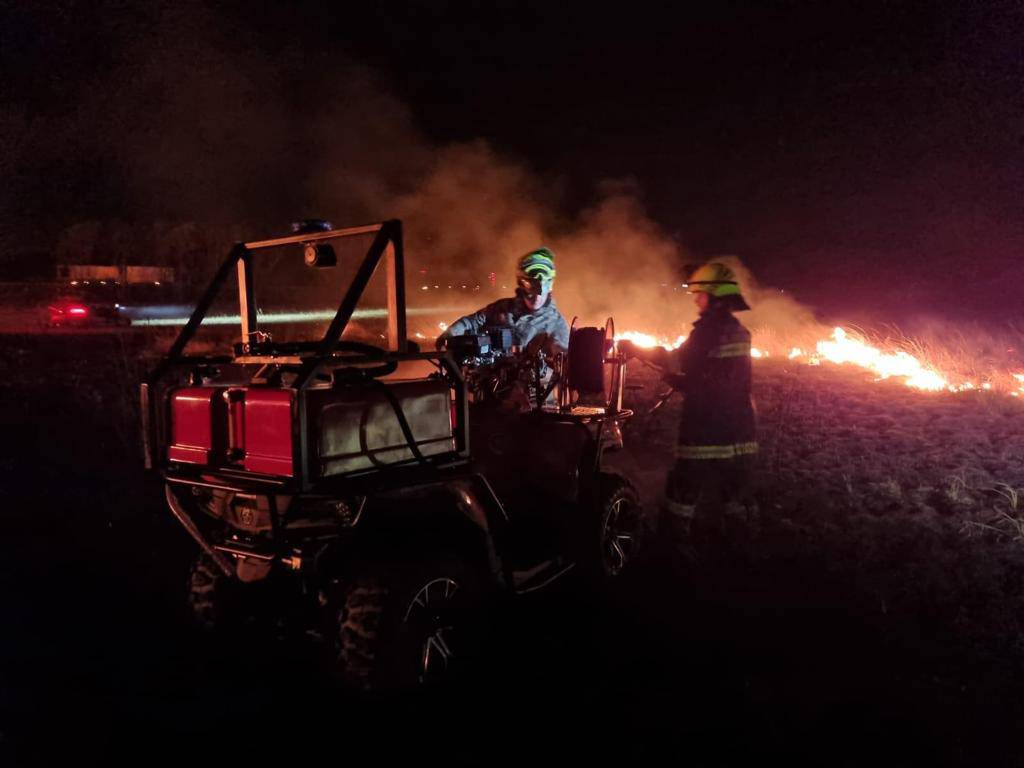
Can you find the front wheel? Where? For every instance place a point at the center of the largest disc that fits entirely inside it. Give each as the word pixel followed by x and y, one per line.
pixel 620 524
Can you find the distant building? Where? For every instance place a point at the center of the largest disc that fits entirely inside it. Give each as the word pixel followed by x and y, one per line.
pixel 129 273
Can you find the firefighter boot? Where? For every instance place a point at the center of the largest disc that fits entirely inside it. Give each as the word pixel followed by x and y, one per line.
pixel 738 521
pixel 675 526
pixel 709 536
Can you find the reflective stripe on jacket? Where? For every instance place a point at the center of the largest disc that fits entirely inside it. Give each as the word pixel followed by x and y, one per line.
pixel 715 451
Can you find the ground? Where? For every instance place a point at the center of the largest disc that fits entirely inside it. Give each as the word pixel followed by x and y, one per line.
pixel 871 616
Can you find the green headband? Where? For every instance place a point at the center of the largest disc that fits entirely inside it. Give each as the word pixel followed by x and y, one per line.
pixel 538 265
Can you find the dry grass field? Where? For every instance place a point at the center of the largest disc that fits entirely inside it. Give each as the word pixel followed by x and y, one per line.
pixel 832 439
pixel 872 616
pixel 901 513
pixel 920 492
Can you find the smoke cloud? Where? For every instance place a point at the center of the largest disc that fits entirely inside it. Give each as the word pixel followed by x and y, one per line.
pixel 196 132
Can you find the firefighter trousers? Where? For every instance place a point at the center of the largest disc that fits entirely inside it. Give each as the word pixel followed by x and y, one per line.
pixel 702 492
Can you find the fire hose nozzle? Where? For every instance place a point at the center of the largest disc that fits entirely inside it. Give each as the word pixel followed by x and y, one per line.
pixel 662 400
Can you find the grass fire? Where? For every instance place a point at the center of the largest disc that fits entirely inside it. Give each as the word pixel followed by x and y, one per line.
pixel 850 348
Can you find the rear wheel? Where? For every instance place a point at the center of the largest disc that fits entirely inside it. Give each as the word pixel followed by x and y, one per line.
pixel 208 593
pixel 409 626
pixel 221 603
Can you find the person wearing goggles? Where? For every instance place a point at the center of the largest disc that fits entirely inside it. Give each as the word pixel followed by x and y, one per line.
pixel 529 313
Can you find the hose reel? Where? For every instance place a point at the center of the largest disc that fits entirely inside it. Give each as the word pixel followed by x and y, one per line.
pixel 592 372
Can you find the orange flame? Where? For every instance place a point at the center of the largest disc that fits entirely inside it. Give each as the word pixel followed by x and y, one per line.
pixel 845 348
pixel 842 349
pixel 648 341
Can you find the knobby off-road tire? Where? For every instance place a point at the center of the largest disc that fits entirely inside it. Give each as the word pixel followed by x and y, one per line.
pixel 224 605
pixel 357 636
pixel 620 526
pixel 208 594
pixel 408 626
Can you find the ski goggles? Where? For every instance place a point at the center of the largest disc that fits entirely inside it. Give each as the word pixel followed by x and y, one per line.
pixel 534 285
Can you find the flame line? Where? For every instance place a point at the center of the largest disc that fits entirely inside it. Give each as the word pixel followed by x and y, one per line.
pixel 845 348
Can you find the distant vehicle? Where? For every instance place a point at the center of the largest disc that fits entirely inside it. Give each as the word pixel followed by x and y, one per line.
pixel 86 307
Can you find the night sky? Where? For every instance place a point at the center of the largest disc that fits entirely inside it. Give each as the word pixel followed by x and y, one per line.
pixel 859 154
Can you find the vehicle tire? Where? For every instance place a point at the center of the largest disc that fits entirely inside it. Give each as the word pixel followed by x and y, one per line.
pixel 208 594
pixel 223 604
pixel 409 626
pixel 620 525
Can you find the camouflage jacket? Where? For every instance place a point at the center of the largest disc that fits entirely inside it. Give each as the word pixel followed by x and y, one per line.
pixel 525 324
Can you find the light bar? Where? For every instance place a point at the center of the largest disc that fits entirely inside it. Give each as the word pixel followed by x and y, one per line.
pixel 270 318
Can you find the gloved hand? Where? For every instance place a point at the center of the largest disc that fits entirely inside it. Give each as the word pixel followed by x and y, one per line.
pixel 544 345
pixel 441 343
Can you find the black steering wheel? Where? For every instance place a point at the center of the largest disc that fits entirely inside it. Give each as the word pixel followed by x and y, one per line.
pixel 362 348
pixel 361 372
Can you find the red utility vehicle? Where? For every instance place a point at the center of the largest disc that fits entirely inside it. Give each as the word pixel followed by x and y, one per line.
pixel 383 500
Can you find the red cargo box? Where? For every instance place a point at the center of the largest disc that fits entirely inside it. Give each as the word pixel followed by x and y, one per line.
pixel 198 424
pixel 268 431
pixel 350 430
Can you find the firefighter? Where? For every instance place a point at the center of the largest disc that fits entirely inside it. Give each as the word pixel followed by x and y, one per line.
pixel 530 312
pixel 717 441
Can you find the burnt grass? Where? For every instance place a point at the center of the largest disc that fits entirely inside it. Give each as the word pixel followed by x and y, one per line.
pixel 871 615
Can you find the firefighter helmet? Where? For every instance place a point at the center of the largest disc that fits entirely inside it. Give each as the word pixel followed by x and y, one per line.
pixel 714 278
pixel 717 280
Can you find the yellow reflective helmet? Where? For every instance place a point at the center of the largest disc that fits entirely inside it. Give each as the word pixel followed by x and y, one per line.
pixel 714 278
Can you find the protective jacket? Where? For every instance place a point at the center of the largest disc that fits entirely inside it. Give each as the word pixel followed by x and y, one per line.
pixel 717 419
pixel 513 313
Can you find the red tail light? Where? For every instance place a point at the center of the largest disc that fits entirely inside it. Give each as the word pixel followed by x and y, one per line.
pixel 78 310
